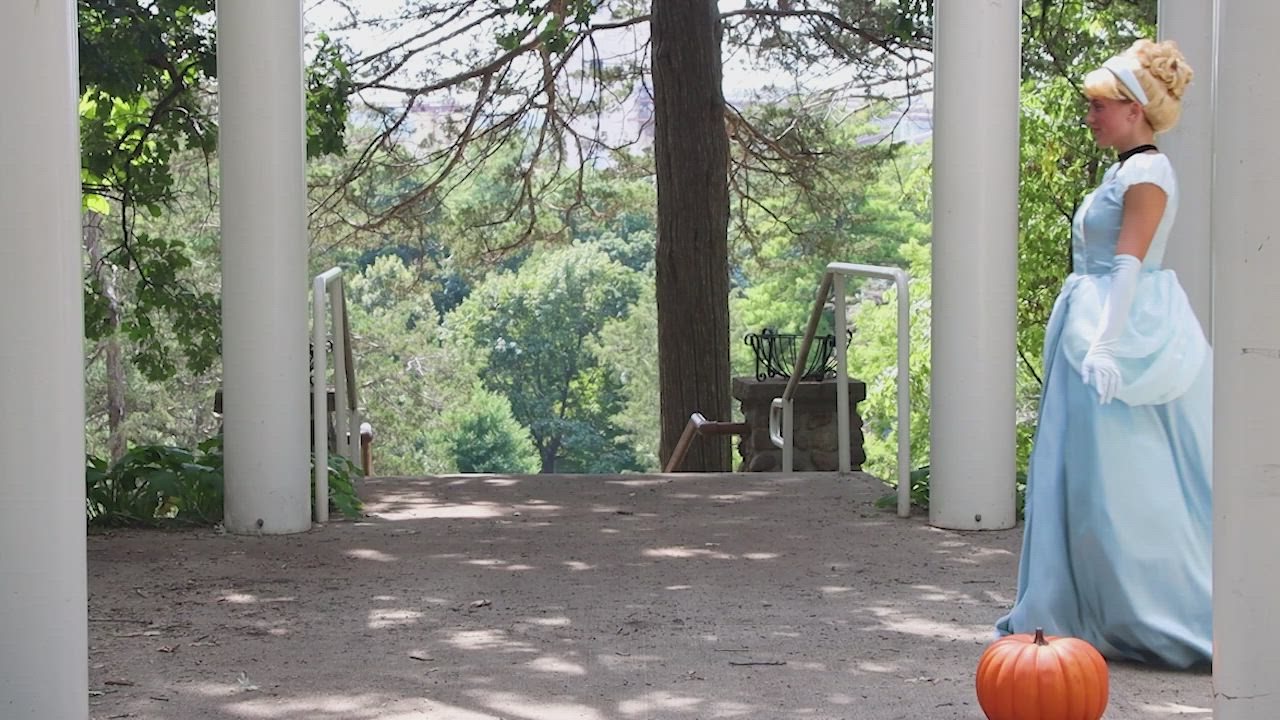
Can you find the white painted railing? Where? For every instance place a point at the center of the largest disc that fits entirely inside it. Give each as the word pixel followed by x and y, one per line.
pixel 781 411
pixel 327 293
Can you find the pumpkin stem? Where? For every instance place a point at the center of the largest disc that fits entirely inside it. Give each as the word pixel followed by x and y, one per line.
pixel 1040 637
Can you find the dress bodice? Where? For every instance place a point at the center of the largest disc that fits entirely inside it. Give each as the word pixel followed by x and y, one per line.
pixel 1095 229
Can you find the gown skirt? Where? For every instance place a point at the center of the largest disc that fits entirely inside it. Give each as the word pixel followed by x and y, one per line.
pixel 1117 539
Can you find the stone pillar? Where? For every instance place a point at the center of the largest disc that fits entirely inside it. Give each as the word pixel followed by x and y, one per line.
pixel 262 146
pixel 817 436
pixel 1246 413
pixel 44 651
pixel 1190 149
pixel 975 263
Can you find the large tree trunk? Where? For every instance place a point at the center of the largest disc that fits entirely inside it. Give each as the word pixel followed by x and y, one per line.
pixel 692 153
pixel 113 354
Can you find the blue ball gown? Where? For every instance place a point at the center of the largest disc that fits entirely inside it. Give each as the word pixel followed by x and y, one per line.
pixel 1116 547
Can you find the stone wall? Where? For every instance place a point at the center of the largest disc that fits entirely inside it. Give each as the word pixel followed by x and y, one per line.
pixel 816 439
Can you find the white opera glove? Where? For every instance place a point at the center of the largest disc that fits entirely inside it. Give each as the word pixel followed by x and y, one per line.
pixel 1099 368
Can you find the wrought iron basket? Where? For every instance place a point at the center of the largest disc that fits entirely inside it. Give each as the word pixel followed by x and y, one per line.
pixel 776 355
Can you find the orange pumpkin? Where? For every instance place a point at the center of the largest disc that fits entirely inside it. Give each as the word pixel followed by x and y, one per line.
pixel 1025 677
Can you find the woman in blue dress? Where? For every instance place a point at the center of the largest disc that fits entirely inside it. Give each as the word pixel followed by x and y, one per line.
pixel 1117 541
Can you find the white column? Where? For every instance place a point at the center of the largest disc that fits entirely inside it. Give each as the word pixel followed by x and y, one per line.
pixel 1246 414
pixel 975 263
pixel 44 660
pixel 1190 147
pixel 262 150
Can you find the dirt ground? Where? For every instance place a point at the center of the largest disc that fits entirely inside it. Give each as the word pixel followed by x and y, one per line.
pixel 584 598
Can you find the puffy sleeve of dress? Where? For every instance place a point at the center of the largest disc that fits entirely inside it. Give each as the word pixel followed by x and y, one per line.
pixel 1146 168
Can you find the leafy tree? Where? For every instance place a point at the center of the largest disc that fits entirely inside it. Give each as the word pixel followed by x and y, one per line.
pixel 617 213
pixel 481 436
pixel 629 346
pixel 408 379
pixel 534 331
pixel 146 68
pixel 122 401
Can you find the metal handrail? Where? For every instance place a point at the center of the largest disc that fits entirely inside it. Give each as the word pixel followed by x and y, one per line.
pixel 781 410
pixel 328 293
pixel 699 425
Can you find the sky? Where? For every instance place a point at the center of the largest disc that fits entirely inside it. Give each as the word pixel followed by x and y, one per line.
pixel 742 76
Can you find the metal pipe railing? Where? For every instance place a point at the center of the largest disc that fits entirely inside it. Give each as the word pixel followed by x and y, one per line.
pixel 781 410
pixel 700 426
pixel 327 293
pixel 356 418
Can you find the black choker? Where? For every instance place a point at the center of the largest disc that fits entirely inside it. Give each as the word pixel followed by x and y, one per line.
pixel 1134 151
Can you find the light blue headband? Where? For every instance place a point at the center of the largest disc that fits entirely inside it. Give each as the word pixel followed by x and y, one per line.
pixel 1126 76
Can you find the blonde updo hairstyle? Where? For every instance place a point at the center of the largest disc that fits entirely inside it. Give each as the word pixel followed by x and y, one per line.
pixel 1162 72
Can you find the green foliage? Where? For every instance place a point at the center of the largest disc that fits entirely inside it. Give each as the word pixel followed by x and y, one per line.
pixel 617 213
pixel 914 19
pixel 191 317
pixel 329 86
pixel 810 202
pixel 628 346
pixel 146 72
pixel 481 436
pixel 920 492
pixel 153 485
pixel 142 67
pixel 407 378
pixel 487 212
pixel 555 23
pixel 436 259
pixel 342 475
pixel 533 329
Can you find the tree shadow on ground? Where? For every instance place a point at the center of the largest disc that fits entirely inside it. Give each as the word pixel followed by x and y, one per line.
pixel 539 597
